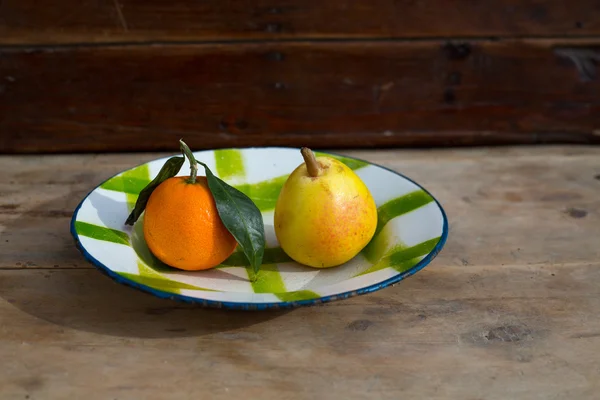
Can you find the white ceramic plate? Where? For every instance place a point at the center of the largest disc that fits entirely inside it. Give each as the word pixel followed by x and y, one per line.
pixel 412 229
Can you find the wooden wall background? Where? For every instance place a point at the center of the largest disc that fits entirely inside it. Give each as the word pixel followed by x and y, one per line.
pixel 128 75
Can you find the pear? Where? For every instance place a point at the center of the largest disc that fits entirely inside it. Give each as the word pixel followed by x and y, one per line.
pixel 325 214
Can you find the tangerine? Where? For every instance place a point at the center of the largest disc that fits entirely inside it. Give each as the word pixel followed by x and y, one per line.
pixel 182 226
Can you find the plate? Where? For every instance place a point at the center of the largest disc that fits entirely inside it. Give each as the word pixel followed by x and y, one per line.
pixel 412 229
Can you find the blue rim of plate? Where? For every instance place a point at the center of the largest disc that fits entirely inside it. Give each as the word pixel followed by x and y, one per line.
pixel 267 305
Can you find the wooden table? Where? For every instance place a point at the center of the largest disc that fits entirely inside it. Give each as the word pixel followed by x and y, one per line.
pixel 509 309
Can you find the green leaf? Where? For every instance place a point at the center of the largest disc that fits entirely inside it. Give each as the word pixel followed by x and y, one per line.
pixel 239 214
pixel 168 170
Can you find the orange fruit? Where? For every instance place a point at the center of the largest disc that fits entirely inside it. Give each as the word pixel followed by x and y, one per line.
pixel 182 226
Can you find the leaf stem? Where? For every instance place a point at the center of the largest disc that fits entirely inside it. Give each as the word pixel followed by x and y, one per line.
pixel 312 165
pixel 193 163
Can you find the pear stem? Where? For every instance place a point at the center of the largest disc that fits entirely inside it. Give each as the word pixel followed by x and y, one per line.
pixel 311 162
pixel 185 150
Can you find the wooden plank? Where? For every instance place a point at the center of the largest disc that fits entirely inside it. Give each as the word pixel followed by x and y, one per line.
pixel 450 332
pixel 507 310
pixel 317 94
pixel 71 21
pixel 37 198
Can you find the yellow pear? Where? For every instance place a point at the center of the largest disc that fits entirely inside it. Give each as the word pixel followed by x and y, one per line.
pixel 325 214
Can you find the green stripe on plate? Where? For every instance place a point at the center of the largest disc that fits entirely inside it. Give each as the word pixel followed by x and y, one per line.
pixel 377 247
pixel 264 194
pixel 401 258
pixel 385 263
pixel 101 233
pixel 401 205
pixel 229 163
pixel 125 185
pixel 421 249
pixel 388 211
pixel 297 295
pixel 149 273
pixel 131 182
pixel 406 265
pixel 268 279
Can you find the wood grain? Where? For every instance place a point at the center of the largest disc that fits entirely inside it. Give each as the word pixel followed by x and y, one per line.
pixel 37 198
pixel 507 310
pixel 449 333
pixel 316 94
pixel 71 21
